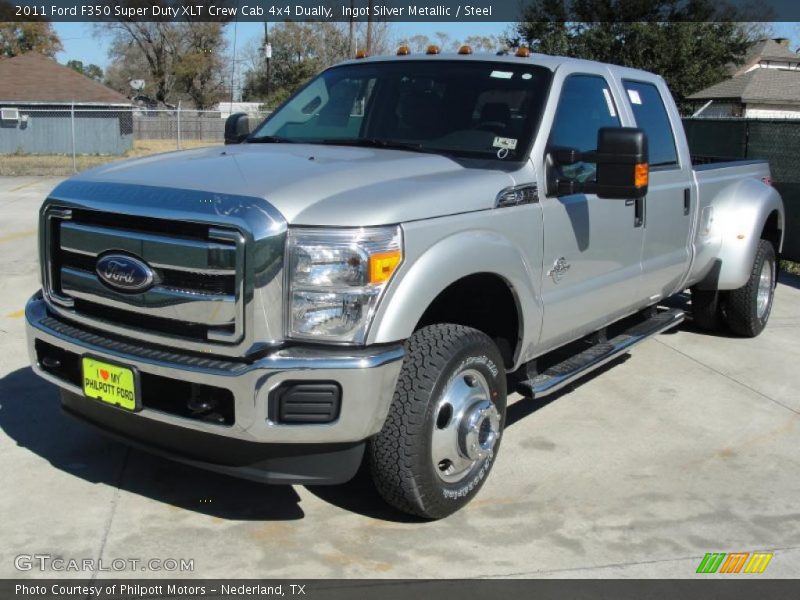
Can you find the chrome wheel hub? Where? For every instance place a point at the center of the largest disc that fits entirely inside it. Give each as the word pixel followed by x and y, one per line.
pixel 766 284
pixel 466 426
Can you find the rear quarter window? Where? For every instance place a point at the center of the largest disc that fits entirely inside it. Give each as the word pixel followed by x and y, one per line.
pixel 651 116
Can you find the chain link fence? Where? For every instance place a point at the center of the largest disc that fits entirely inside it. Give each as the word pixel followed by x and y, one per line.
pixel 775 140
pixel 61 141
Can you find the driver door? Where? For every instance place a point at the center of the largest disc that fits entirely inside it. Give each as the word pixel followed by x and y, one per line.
pixel 592 247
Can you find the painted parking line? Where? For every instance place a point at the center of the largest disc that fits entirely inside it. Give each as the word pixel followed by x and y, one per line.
pixel 23 186
pixel 16 314
pixel 9 237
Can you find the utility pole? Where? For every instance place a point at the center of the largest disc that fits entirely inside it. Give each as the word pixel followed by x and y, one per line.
pixel 369 28
pixel 351 51
pixel 267 57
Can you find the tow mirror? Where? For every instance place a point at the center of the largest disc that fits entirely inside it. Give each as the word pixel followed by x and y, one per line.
pixel 622 170
pixel 237 128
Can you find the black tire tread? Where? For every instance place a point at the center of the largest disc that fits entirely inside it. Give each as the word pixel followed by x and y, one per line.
pixel 394 452
pixel 738 312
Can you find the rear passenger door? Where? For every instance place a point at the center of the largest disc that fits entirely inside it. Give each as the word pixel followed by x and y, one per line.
pixel 669 202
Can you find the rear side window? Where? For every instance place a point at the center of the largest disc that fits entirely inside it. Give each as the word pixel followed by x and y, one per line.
pixel 585 105
pixel 651 116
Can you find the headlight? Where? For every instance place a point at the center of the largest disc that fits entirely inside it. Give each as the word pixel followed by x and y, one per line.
pixel 336 277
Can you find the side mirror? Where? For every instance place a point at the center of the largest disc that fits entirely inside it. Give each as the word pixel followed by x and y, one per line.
pixel 622 169
pixel 237 128
pixel 621 158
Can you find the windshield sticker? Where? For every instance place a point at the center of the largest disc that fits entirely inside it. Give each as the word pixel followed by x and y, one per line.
pixel 502 74
pixel 634 96
pixel 609 102
pixel 504 142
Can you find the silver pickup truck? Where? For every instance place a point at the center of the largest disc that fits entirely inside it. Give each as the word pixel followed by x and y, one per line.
pixel 366 274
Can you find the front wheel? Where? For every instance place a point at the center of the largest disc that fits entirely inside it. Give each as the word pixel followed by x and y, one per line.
pixel 747 309
pixel 443 430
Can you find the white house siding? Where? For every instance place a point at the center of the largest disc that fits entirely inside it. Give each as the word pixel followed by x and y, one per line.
pixel 771 111
pixel 717 110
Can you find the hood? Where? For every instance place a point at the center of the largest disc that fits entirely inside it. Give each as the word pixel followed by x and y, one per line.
pixel 321 185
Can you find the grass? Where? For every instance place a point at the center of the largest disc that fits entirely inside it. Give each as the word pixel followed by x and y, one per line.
pixel 790 267
pixel 61 164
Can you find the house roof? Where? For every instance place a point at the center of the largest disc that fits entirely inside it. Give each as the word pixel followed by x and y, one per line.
pixel 35 78
pixel 772 50
pixel 769 86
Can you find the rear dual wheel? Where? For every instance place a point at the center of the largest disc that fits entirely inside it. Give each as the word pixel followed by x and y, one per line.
pixel 444 427
pixel 745 311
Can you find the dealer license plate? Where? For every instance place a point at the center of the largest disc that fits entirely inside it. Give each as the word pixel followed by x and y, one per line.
pixel 109 383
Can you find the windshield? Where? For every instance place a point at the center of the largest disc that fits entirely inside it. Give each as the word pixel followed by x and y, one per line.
pixel 469 109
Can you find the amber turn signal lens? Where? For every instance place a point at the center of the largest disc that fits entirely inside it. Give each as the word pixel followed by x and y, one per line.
pixel 523 52
pixel 403 51
pixel 641 174
pixel 382 265
pixel 465 50
pixel 362 54
pixel 432 49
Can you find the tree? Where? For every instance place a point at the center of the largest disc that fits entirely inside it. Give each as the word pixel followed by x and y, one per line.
pixel 200 67
pixel 153 44
pixel 30 36
pixel 686 43
pixel 176 60
pixel 299 51
pixel 91 71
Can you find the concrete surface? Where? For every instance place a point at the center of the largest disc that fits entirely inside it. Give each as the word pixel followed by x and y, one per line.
pixel 689 446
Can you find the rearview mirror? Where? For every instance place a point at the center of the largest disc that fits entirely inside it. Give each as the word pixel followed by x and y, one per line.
pixel 237 128
pixel 621 158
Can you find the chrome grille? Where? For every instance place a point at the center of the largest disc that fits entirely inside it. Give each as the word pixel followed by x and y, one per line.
pixel 198 294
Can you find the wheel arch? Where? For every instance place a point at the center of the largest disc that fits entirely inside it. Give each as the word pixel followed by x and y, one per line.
pixel 482 263
pixel 746 213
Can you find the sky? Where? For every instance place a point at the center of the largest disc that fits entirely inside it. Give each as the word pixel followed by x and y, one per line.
pixel 80 43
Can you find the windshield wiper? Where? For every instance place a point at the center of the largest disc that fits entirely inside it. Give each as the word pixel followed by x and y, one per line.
pixel 269 139
pixel 376 143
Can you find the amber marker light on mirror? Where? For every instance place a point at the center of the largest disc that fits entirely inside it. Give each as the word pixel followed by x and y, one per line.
pixel 383 264
pixel 641 175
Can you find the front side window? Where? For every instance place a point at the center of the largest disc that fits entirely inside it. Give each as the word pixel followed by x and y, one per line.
pixel 585 105
pixel 651 116
pixel 466 109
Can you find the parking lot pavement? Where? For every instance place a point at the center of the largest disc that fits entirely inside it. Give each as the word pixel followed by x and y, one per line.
pixel 688 446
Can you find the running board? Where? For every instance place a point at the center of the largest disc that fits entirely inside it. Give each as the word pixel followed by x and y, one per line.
pixel 575 367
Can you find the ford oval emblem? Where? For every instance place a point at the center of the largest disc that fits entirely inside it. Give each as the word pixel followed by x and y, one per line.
pixel 124 273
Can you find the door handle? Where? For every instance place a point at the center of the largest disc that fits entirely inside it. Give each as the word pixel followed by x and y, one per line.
pixel 687 201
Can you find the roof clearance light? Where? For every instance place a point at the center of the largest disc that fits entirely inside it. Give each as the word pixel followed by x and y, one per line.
pixel 432 49
pixel 523 52
pixel 403 50
pixel 362 54
pixel 465 50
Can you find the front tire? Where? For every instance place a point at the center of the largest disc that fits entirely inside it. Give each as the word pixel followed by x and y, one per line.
pixel 443 430
pixel 747 309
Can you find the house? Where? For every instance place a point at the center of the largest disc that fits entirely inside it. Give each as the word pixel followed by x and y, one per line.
pixel 765 86
pixel 42 103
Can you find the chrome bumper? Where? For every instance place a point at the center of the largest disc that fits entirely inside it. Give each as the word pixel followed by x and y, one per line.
pixel 367 378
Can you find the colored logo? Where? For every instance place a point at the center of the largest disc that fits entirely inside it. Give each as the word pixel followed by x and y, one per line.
pixel 734 562
pixel 124 273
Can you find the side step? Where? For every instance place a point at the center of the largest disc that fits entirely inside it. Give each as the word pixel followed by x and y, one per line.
pixel 578 365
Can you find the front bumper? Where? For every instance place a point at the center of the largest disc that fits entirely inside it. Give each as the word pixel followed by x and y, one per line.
pixel 367 378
